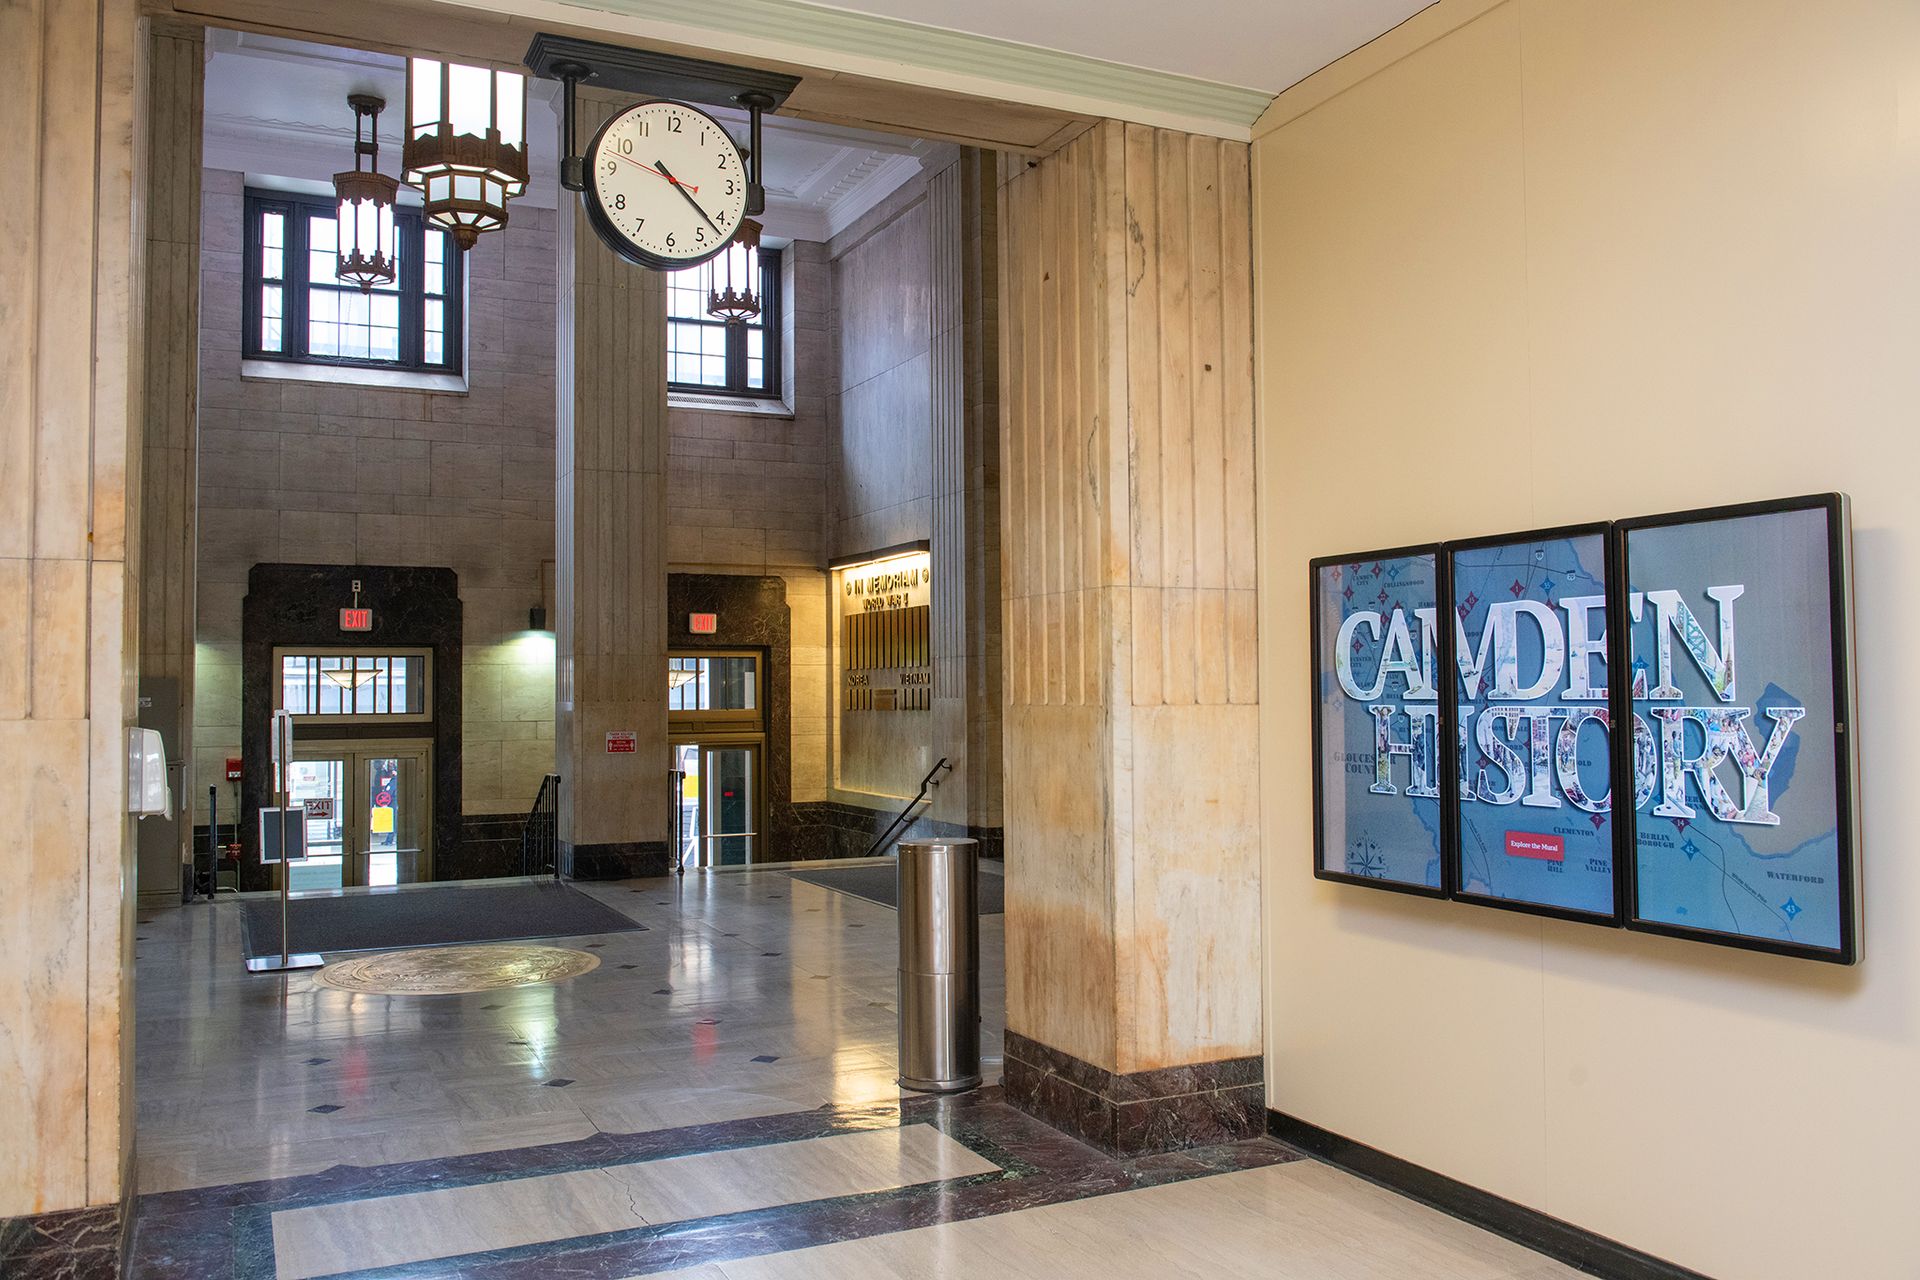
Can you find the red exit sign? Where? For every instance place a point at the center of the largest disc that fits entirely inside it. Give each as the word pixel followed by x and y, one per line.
pixel 356 619
pixel 703 624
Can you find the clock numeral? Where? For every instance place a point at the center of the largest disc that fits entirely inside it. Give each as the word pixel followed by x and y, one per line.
pixel 643 126
pixel 626 146
pixel 700 235
pixel 673 124
pixel 729 186
pixel 611 166
pixel 669 239
pixel 620 200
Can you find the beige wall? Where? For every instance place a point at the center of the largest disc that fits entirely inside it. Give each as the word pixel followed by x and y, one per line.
pixel 1571 261
pixel 328 473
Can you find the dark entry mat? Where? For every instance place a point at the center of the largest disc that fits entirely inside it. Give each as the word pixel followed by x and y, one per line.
pixel 429 917
pixel 881 884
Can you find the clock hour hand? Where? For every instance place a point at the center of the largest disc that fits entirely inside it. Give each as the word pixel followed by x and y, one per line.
pixel 681 187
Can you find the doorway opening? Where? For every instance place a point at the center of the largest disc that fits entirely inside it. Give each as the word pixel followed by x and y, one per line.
pixel 369 813
pixel 362 764
pixel 716 728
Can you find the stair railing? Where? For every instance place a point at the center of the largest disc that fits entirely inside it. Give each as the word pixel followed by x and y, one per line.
pixel 540 838
pixel 904 818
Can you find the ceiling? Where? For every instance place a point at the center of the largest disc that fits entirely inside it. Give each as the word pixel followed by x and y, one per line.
pixel 278 107
pixel 1255 44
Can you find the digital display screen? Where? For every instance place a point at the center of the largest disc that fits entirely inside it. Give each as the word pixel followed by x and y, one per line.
pixel 1378 769
pixel 1534 801
pixel 1742 808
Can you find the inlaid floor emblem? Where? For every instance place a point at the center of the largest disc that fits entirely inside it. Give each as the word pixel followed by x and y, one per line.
pixel 445 971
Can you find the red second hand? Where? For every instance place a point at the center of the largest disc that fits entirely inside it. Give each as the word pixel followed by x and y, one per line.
pixel 656 173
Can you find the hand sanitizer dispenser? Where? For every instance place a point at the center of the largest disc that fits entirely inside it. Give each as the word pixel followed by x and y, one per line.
pixel 148 795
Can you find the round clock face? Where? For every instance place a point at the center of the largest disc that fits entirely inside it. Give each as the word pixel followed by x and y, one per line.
pixel 665 185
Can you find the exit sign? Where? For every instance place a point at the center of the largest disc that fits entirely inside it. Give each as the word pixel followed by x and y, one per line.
pixel 703 624
pixel 356 619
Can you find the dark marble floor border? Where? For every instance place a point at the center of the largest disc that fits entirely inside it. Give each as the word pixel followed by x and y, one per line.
pixel 78 1244
pixel 227 1231
pixel 624 860
pixel 1140 1112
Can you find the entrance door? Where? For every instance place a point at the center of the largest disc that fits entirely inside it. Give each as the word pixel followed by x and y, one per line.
pixel 716 803
pixel 368 814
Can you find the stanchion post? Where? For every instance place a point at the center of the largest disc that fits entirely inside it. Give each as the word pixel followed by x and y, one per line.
pixel 283 788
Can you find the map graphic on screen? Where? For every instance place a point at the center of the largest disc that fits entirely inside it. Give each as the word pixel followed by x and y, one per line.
pixel 1737 809
pixel 1379 714
pixel 1530 645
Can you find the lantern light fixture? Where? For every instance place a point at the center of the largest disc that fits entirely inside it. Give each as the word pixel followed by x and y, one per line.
pixel 465 144
pixel 366 199
pixel 731 295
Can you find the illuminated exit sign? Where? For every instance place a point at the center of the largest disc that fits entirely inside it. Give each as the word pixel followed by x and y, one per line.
pixel 356 619
pixel 703 624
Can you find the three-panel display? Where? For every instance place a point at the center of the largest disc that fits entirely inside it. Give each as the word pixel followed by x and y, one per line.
pixel 1466 698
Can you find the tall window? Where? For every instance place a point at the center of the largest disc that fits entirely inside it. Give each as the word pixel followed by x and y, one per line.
pixel 712 356
pixel 298 310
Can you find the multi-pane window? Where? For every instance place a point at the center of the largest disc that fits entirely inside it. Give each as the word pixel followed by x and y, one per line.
pixel 388 685
pixel 298 309
pixel 723 683
pixel 709 355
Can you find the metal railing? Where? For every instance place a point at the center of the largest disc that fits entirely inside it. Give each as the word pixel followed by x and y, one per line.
pixel 905 817
pixel 540 838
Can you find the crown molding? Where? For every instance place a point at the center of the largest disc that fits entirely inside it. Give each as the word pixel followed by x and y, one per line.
pixel 794 31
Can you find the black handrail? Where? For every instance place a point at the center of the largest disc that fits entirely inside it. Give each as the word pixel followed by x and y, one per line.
pixel 541 836
pixel 896 828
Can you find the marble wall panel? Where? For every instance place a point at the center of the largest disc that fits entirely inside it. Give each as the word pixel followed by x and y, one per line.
pixel 71 452
pixel 1126 553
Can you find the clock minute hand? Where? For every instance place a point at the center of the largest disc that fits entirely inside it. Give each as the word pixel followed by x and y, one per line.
pixel 681 187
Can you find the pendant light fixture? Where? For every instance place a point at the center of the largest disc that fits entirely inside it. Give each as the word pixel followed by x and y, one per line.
pixel 465 144
pixel 366 198
pixel 731 295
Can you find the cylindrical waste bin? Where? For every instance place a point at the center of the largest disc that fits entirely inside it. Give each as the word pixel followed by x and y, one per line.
pixel 939 965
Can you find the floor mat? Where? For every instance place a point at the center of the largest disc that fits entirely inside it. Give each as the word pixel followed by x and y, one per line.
pixel 429 917
pixel 881 884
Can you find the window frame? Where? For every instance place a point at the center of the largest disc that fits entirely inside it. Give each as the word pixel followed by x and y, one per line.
pixel 296 285
pixel 771 322
pixel 426 713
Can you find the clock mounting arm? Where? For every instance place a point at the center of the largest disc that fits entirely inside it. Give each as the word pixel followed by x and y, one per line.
pixel 654 75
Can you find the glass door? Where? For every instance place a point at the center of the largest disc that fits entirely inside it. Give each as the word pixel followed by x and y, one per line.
pixel 369 814
pixel 716 803
pixel 730 804
pixel 393 836
pixel 318 783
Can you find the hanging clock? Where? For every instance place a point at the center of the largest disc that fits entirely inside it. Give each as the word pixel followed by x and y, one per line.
pixel 665 185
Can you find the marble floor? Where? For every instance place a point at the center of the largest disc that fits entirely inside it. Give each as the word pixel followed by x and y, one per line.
pixel 715 1100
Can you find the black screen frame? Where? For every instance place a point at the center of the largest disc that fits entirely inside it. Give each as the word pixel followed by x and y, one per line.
pixel 1836 508
pixel 1450 715
pixel 1442 593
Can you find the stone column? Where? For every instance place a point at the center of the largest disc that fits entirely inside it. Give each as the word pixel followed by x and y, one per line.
pixel 70 387
pixel 611 549
pixel 169 471
pixel 1133 893
pixel 965 527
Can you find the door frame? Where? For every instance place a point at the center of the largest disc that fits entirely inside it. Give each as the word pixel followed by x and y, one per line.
pixel 355 751
pixel 756 746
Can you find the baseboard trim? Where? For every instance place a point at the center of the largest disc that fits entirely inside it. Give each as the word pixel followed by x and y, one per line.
pixel 1562 1241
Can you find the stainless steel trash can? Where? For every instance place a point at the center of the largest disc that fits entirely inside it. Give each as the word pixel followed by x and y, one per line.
pixel 939 965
